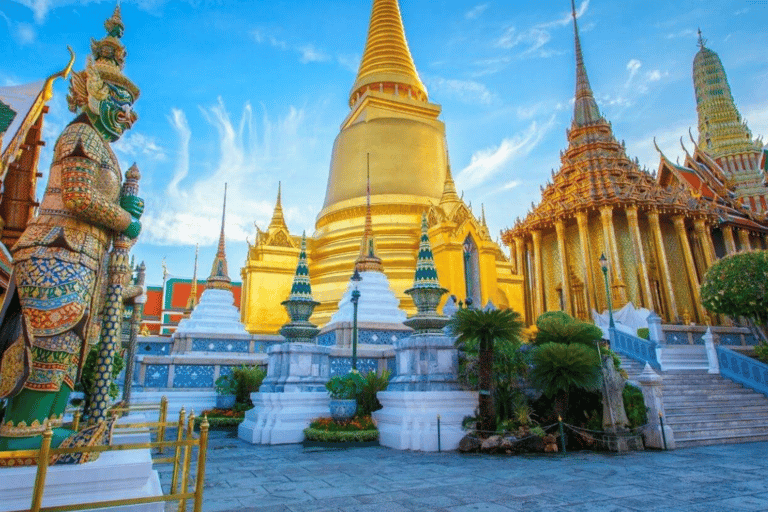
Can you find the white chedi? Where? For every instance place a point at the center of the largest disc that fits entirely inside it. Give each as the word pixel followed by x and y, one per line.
pixel 377 303
pixel 215 314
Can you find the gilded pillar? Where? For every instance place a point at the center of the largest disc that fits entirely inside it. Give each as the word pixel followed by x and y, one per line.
pixel 661 257
pixel 690 268
pixel 530 279
pixel 637 242
pixel 730 243
pixel 705 239
pixel 582 218
pixel 618 288
pixel 566 282
pixel 744 240
pixel 538 271
pixel 519 248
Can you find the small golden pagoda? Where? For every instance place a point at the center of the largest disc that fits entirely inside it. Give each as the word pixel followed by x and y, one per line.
pixel 601 202
pixel 393 132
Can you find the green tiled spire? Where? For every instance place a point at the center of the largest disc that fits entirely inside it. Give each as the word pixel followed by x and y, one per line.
pixel 301 288
pixel 426 273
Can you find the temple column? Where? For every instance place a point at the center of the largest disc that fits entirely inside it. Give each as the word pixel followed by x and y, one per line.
pixel 707 246
pixel 519 249
pixel 618 288
pixel 582 218
pixel 744 240
pixel 530 278
pixel 690 268
pixel 637 241
pixel 730 243
pixel 661 256
pixel 566 282
pixel 538 272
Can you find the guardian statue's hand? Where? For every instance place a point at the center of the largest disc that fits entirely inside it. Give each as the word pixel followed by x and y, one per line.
pixel 133 205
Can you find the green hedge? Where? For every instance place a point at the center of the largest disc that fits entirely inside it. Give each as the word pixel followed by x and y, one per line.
pixel 359 436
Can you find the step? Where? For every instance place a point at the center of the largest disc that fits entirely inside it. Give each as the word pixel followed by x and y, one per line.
pixel 682 442
pixel 715 415
pixel 695 433
pixel 694 409
pixel 708 391
pixel 685 424
pixel 727 401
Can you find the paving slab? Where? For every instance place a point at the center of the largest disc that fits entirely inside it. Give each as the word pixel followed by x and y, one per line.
pixel 243 477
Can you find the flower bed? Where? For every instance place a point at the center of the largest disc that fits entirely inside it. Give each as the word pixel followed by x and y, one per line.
pixel 356 430
pixel 221 418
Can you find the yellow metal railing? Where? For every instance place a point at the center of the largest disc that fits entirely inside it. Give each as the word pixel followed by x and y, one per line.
pixel 181 479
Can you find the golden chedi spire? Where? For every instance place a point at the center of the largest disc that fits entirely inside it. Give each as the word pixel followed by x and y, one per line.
pixel 367 260
pixel 449 196
pixel 722 132
pixel 278 220
pixel 192 300
pixel 387 59
pixel 219 278
pixel 585 110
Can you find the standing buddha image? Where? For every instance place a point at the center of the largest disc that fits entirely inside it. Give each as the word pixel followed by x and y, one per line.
pixel 53 312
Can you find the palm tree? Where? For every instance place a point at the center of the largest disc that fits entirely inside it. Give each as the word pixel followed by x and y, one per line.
pixel 559 368
pixel 487 327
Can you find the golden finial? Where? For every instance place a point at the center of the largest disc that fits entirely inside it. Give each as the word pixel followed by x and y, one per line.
pixel 702 41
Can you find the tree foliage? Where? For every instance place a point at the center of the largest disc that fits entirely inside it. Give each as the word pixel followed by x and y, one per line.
pixel 559 327
pixel 736 286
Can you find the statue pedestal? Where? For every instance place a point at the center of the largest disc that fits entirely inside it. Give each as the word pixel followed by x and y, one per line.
pixel 280 418
pixel 297 367
pixel 408 420
pixel 115 475
pixel 425 362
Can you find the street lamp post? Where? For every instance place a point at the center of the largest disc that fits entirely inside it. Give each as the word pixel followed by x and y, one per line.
pixel 355 299
pixel 467 258
pixel 604 267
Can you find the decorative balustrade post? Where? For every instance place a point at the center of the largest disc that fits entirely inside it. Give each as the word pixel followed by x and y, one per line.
pixel 709 344
pixel 650 384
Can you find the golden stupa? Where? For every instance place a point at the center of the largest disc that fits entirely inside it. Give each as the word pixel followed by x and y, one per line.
pixel 393 134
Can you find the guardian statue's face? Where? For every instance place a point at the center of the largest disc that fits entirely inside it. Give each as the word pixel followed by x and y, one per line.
pixel 115 114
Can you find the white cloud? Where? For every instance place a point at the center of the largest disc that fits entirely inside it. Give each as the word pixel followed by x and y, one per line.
pixel 349 62
pixel 534 39
pixel 251 152
pixel 262 37
pixel 23 33
pixel 681 33
pixel 487 163
pixel 633 66
pixel 467 91
pixel 476 11
pixel 137 144
pixel 41 8
pixel 311 54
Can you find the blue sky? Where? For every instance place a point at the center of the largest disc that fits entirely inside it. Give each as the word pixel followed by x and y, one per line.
pixel 253 92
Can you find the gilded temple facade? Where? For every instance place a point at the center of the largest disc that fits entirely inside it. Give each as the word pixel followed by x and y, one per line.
pixel 661 233
pixel 393 133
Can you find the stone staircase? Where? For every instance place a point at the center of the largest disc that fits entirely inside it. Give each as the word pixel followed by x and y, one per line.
pixel 704 409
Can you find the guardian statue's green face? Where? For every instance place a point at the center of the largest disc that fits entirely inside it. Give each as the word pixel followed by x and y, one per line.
pixel 115 114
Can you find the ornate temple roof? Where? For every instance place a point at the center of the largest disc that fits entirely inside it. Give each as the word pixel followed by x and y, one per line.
pixel 219 278
pixel 386 58
pixel 596 171
pixel 722 131
pixel 426 273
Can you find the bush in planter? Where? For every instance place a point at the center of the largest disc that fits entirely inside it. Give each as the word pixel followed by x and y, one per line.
pixel 247 379
pixel 345 387
pixel 366 394
pixel 644 333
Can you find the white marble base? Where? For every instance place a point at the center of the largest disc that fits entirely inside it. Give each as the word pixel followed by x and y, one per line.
pixel 115 475
pixel 408 420
pixel 280 418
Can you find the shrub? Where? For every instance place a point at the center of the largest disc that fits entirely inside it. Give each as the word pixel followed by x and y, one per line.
pixel 761 352
pixel 226 385
pixel 359 436
pixel 360 429
pixel 367 402
pixel 247 379
pixel 634 405
pixel 345 387
pixel 736 286
pixel 644 333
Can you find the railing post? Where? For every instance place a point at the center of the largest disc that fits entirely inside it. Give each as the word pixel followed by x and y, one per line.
pixel 709 344
pixel 201 454
pixel 177 454
pixel 163 419
pixel 655 433
pixel 42 469
pixel 187 460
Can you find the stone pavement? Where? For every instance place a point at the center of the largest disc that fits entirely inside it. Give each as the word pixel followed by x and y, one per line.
pixel 243 477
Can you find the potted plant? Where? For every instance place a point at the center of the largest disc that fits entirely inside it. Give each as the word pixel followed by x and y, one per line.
pixel 226 389
pixel 343 390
